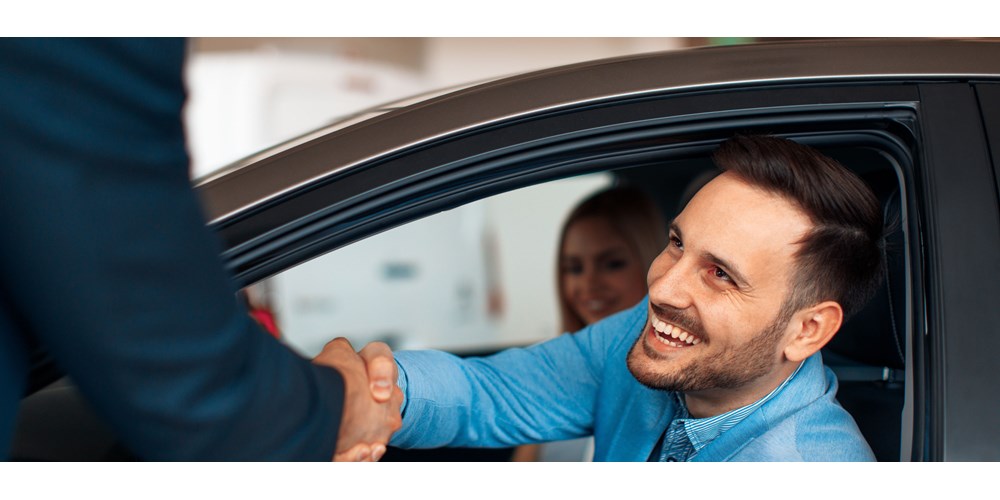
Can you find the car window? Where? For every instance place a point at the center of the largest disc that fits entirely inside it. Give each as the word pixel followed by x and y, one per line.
pixel 480 277
pixel 475 278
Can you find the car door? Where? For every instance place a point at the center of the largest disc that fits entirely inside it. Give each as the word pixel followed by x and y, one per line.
pixel 655 140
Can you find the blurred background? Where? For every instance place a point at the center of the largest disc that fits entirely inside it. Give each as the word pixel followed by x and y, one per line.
pixel 250 93
pixel 473 279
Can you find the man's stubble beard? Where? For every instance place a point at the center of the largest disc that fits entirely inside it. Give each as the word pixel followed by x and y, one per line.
pixel 730 368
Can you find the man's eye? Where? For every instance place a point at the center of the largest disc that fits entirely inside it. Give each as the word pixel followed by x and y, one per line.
pixel 675 241
pixel 722 275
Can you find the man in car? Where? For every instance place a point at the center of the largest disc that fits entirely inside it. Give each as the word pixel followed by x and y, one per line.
pixel 107 266
pixel 720 361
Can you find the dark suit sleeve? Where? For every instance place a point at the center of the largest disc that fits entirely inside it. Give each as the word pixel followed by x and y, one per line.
pixel 107 262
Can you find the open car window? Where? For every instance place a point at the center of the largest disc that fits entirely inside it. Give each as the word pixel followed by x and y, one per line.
pixel 471 279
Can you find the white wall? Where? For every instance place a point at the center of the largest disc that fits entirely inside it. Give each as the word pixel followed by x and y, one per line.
pixel 244 101
pixel 455 60
pixel 419 285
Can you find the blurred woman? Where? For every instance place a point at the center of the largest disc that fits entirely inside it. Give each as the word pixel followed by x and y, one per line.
pixel 605 248
pixel 607 244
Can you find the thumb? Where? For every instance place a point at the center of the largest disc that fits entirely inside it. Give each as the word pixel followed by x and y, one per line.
pixel 381 370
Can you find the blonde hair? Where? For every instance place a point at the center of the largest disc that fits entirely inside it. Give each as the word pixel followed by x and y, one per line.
pixel 636 219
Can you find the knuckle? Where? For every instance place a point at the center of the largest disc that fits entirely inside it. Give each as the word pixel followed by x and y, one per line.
pixel 382 365
pixel 378 350
pixel 337 343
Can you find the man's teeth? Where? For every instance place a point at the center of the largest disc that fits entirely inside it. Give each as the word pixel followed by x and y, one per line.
pixel 667 331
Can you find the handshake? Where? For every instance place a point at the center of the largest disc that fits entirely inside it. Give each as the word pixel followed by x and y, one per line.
pixel 371 399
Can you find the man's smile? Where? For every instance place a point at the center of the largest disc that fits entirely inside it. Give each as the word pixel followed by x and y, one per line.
pixel 670 334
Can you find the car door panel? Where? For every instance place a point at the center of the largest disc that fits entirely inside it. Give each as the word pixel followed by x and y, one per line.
pixel 962 225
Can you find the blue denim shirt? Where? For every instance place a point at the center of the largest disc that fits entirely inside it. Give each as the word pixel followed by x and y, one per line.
pixel 579 385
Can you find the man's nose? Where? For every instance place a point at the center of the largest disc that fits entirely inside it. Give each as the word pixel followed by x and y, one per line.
pixel 671 282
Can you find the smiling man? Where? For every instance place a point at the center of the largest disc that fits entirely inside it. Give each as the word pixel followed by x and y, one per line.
pixel 720 362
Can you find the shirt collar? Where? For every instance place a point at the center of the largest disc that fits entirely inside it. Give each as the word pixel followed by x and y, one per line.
pixel 702 431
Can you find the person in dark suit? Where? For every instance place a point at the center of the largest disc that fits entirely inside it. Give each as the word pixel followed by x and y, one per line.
pixel 106 264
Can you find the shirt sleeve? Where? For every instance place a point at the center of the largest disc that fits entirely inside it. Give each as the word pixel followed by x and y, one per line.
pixel 545 392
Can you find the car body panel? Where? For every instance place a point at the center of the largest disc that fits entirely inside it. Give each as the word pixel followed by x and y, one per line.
pixel 962 242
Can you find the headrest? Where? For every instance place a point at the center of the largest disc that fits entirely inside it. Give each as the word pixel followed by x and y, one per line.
pixel 876 335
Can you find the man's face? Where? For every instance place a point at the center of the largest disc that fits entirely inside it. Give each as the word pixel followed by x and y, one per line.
pixel 716 291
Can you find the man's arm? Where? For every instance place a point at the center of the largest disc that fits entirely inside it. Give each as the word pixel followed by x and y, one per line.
pixel 519 396
pixel 541 393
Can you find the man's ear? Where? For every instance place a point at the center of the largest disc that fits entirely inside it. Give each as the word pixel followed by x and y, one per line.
pixel 814 327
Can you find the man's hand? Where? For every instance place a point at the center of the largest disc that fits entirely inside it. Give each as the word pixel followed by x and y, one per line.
pixel 371 400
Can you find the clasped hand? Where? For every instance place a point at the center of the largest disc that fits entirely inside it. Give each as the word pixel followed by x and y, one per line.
pixel 371 399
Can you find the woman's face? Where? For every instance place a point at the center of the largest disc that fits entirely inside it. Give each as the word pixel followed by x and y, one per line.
pixel 600 272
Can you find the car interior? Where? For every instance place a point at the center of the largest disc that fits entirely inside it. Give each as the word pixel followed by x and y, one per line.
pixel 869 353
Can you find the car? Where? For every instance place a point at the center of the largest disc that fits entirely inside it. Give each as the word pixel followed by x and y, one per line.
pixel 919 120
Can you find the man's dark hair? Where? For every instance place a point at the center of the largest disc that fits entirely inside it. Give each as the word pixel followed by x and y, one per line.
pixel 840 259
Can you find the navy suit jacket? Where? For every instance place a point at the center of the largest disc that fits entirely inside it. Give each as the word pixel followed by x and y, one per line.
pixel 106 263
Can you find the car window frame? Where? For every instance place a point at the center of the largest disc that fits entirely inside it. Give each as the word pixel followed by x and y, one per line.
pixel 470 159
pixel 502 157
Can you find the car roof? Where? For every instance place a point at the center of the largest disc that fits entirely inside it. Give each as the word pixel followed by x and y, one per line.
pixel 387 129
